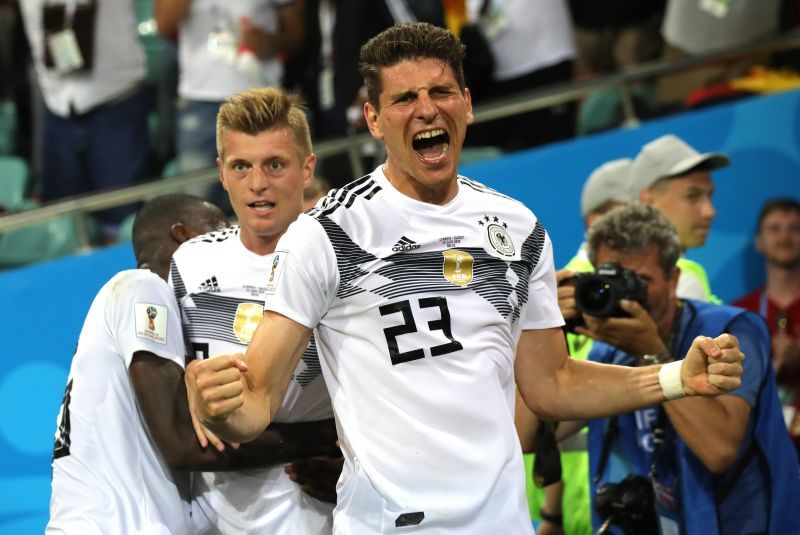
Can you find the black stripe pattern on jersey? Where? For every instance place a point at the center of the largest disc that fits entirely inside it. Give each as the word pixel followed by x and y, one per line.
pixel 344 197
pixel 212 316
pixel 216 236
pixel 477 186
pixel 530 252
pixel 407 273
pixel 178 286
pixel 349 257
pixel 312 368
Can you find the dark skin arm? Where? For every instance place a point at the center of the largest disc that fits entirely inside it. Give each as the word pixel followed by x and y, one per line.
pixel 161 394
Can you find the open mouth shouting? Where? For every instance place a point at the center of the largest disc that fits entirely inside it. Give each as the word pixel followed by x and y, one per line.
pixel 431 146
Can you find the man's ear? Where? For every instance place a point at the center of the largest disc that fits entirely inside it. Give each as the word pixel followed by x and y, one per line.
pixel 646 196
pixel 221 174
pixel 181 233
pixel 371 116
pixel 308 169
pixel 468 100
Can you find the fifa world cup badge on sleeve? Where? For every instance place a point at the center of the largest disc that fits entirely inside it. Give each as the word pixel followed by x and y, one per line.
pixel 275 270
pixel 151 322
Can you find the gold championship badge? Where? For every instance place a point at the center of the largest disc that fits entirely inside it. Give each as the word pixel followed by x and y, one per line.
pixel 248 316
pixel 457 267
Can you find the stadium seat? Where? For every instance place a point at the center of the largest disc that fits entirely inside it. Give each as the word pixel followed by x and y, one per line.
pixel 8 126
pixel 51 239
pixel 125 231
pixel 13 182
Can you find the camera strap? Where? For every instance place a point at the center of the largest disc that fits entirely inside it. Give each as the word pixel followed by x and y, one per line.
pixel 613 425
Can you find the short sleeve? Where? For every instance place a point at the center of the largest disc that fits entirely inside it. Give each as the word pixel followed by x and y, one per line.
pixel 754 343
pixel 542 310
pixel 303 277
pixel 143 316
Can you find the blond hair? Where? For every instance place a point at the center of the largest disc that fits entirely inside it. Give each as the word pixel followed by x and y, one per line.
pixel 256 110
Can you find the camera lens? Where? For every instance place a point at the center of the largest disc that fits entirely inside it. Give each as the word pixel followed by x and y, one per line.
pixel 594 296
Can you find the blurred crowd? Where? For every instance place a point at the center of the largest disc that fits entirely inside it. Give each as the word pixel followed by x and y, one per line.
pixel 85 85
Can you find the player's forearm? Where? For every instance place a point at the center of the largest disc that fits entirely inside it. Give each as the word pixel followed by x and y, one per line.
pixel 713 428
pixel 245 423
pixel 278 444
pixel 582 390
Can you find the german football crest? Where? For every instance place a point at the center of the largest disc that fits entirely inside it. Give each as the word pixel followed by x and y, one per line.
pixel 248 316
pixel 457 266
pixel 500 240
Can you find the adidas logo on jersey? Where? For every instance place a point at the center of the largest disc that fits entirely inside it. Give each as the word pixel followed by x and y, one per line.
pixel 210 285
pixel 404 244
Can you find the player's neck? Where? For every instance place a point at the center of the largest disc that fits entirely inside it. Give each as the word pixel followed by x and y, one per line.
pixel 783 284
pixel 260 245
pixel 438 194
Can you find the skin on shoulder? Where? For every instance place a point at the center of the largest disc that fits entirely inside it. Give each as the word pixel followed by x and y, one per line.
pixel 422 120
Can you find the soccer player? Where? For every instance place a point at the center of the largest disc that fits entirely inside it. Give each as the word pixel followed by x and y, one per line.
pixel 429 294
pixel 109 475
pixel 220 282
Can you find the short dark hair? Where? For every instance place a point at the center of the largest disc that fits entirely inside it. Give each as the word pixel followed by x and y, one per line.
pixel 634 228
pixel 780 204
pixel 407 42
pixel 152 227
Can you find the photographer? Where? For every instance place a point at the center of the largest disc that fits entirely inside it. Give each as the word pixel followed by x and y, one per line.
pixel 704 465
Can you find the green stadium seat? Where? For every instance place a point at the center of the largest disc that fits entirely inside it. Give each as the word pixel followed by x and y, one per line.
pixel 125 231
pixel 8 127
pixel 51 239
pixel 13 182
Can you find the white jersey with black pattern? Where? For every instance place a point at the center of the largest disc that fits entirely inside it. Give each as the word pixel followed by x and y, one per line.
pixel 220 286
pixel 417 311
pixel 108 475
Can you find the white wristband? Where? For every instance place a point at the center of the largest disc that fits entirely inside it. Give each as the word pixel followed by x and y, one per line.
pixel 669 376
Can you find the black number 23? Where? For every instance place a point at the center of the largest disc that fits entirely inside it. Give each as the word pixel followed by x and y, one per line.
pixel 410 326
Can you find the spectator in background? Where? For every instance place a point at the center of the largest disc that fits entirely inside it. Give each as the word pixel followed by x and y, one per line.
pixel 616 34
pixel 695 27
pixel 532 44
pixel 224 48
pixel 718 465
pixel 676 179
pixel 778 239
pixel 91 67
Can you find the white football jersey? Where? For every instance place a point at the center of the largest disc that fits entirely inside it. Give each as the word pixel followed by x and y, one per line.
pixel 108 476
pixel 220 286
pixel 417 311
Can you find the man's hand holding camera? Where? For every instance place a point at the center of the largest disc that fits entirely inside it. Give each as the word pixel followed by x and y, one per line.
pixel 637 334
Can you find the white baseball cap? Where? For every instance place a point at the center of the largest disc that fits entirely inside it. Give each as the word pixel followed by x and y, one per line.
pixel 609 182
pixel 669 156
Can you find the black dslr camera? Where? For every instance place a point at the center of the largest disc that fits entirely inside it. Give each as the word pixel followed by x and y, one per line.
pixel 598 293
pixel 629 505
